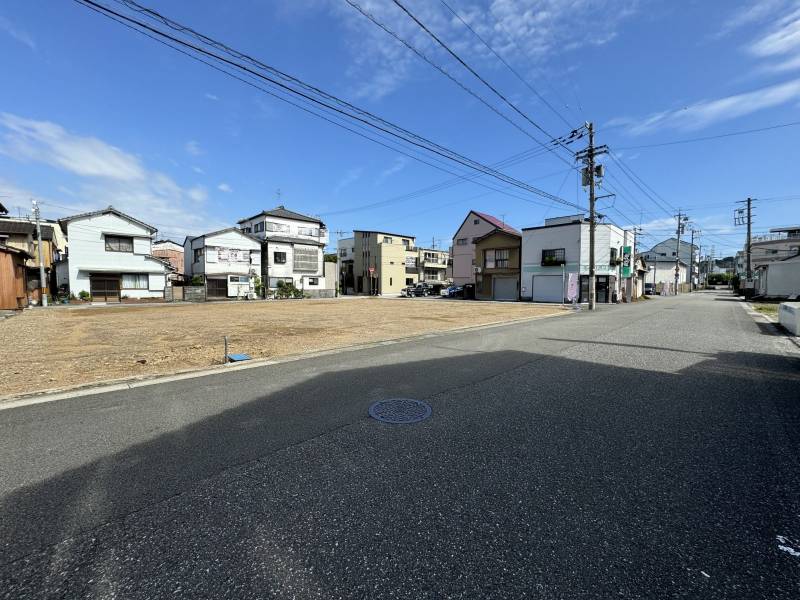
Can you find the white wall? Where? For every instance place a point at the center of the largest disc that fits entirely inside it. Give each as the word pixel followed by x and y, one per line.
pixel 217 246
pixel 287 269
pixel 87 252
pixel 783 278
pixel 294 227
pixel 463 271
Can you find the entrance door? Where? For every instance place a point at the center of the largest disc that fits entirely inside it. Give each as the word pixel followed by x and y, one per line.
pixel 104 288
pixel 217 288
pixel 602 290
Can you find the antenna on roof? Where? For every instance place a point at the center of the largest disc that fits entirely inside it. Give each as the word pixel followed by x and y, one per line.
pixel 278 194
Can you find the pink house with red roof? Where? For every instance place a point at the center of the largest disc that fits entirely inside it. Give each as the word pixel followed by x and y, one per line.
pixel 475 225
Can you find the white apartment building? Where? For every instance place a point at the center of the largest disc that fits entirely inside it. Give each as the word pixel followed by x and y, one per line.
pixel 561 246
pixel 432 265
pixel 293 246
pixel 475 225
pixel 228 260
pixel 110 257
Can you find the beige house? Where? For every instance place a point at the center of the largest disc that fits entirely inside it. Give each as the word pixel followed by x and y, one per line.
pixel 497 265
pixel 382 263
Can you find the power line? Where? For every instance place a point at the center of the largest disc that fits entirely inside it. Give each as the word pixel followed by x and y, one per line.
pixel 710 137
pixel 443 71
pixel 508 66
pixel 473 71
pixel 286 85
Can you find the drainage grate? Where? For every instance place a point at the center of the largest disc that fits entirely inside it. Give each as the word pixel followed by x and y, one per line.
pixel 400 410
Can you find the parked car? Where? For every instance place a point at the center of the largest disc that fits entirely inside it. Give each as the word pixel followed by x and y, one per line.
pixel 408 291
pixel 454 291
pixel 649 289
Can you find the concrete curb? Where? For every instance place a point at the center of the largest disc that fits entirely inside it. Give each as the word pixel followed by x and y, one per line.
pixel 133 383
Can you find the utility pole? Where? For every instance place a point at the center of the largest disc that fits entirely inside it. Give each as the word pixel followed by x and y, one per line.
pixel 745 217
pixel 41 254
pixel 590 172
pixel 681 224
pixel 339 233
pixel 691 262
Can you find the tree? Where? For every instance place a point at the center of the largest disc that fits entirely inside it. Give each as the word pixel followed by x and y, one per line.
pixel 331 257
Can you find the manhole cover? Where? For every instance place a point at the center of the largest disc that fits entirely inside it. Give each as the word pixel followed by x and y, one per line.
pixel 400 410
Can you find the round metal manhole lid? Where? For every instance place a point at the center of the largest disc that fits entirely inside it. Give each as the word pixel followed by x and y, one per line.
pixel 400 410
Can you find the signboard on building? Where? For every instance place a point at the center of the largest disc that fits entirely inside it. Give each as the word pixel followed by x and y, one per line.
pixel 233 255
pixel 411 262
pixel 626 261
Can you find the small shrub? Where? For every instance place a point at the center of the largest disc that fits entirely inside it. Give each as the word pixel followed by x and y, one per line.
pixel 84 295
pixel 197 280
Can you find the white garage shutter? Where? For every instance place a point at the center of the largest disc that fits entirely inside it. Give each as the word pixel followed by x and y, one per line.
pixel 547 288
pixel 505 288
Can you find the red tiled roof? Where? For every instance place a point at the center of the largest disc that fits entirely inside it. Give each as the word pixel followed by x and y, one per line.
pixel 497 223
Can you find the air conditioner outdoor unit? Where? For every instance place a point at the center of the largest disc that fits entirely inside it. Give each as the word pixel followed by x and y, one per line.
pixel 477 269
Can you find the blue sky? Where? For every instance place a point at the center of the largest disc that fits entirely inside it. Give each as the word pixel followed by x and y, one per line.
pixel 94 114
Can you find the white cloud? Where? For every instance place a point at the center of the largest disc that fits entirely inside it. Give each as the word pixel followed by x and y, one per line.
pixel 23 37
pixel 398 165
pixel 198 170
pixel 104 174
pixel 224 187
pixel 197 193
pixel 192 147
pixel 709 112
pixel 210 96
pixel 779 45
pixel 529 32
pixel 349 178
pixel 750 13
pixel 47 142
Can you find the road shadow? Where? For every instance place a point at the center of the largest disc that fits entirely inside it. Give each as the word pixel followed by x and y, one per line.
pixel 553 475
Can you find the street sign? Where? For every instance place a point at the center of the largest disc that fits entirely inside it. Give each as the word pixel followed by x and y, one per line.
pixel 626 261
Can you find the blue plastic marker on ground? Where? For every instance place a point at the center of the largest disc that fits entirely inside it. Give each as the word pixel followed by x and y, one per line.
pixel 238 357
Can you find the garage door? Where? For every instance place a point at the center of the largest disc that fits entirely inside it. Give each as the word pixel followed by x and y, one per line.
pixel 547 288
pixel 505 288
pixel 217 288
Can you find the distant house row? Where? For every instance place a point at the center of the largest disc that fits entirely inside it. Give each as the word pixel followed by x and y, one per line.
pixel 111 256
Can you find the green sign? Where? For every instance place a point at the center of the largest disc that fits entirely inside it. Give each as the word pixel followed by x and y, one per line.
pixel 626 261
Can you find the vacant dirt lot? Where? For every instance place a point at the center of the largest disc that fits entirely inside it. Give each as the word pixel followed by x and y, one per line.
pixel 65 347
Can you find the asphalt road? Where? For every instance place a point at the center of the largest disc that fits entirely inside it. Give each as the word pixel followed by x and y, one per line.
pixel 644 451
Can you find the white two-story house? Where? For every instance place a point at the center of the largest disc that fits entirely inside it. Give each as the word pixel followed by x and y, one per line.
pixel 110 257
pixel 551 252
pixel 228 261
pixel 292 250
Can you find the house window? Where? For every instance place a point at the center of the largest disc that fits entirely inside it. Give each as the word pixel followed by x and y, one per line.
pixel 390 281
pixel 258 227
pixel 116 243
pixel 279 258
pixel 198 255
pixel 387 240
pixel 461 242
pixel 409 281
pixel 406 243
pixel 313 281
pixel 134 281
pixel 247 229
pixel 312 231
pixel 496 259
pixel 475 221
pixel 279 227
pixel 239 279
pixel 343 252
pixel 553 256
pixel 306 259
pixel 612 260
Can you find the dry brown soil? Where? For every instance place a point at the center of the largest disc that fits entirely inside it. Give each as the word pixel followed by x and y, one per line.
pixel 64 347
